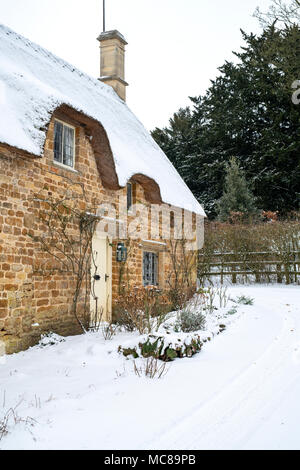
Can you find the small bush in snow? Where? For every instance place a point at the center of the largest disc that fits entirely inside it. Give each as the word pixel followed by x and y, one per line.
pixel 11 419
pixel 189 321
pixel 208 295
pixel 108 331
pixel 121 318
pixel 141 308
pixel 223 297
pixel 232 311
pixel 151 369
pixel 243 300
pixel 50 339
pixel 164 348
pixel 4 426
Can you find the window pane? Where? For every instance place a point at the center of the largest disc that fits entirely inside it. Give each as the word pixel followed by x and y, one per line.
pixel 129 196
pixel 150 269
pixel 68 157
pixel 155 269
pixel 58 133
pixel 145 269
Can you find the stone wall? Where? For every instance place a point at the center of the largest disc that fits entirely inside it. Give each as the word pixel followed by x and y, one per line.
pixel 33 301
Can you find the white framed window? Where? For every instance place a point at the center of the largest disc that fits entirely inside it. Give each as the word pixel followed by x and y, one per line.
pixel 64 144
pixel 150 268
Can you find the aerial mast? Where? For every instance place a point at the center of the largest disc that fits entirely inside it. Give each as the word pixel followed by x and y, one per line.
pixel 112 63
pixel 103 16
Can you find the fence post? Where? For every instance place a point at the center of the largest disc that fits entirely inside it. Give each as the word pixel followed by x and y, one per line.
pixel 233 275
pixel 287 273
pixel 279 276
pixel 295 266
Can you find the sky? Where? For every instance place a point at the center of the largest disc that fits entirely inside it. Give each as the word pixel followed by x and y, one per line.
pixel 175 46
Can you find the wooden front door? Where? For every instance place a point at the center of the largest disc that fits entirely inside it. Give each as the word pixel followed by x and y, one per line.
pixel 101 271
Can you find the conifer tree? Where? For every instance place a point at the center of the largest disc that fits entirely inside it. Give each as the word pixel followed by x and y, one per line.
pixel 248 112
pixel 237 196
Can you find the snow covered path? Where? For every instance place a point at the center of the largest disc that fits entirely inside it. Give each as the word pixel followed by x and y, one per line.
pixel 242 391
pixel 251 407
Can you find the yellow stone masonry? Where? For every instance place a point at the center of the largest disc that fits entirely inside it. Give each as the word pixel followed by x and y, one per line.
pixel 32 302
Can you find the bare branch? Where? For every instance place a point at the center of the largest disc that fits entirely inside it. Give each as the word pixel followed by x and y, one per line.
pixel 280 13
pixel 67 239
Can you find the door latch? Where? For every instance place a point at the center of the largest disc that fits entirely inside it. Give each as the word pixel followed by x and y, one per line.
pixel 106 277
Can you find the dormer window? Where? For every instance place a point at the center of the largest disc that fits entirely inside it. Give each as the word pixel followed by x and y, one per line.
pixel 64 144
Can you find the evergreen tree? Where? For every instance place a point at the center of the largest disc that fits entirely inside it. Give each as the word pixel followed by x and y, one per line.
pixel 237 196
pixel 247 112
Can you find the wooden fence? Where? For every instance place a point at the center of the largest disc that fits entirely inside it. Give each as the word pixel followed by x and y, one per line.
pixel 259 267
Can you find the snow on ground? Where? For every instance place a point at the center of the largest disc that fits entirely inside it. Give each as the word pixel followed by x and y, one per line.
pixel 241 391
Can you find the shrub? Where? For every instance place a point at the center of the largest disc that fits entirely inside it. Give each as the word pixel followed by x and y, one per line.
pixel 243 300
pixel 141 308
pixel 232 311
pixel 11 418
pixel 189 321
pixel 179 295
pixel 164 348
pixel 151 369
pixel 108 331
pixel 181 280
pixel 121 318
pixel 249 247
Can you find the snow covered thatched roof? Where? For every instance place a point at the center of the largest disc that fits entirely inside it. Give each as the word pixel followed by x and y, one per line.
pixel 34 83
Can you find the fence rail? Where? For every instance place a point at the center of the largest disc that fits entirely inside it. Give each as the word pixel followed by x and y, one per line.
pixel 251 266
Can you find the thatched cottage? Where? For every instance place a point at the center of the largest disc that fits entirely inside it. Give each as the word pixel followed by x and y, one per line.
pixel 76 162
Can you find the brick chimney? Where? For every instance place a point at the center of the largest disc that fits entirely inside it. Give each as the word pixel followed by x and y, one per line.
pixel 112 68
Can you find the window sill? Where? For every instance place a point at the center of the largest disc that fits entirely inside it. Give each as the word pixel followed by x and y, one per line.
pixel 64 167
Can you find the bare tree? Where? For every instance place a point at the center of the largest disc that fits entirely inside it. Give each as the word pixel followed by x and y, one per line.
pixel 280 12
